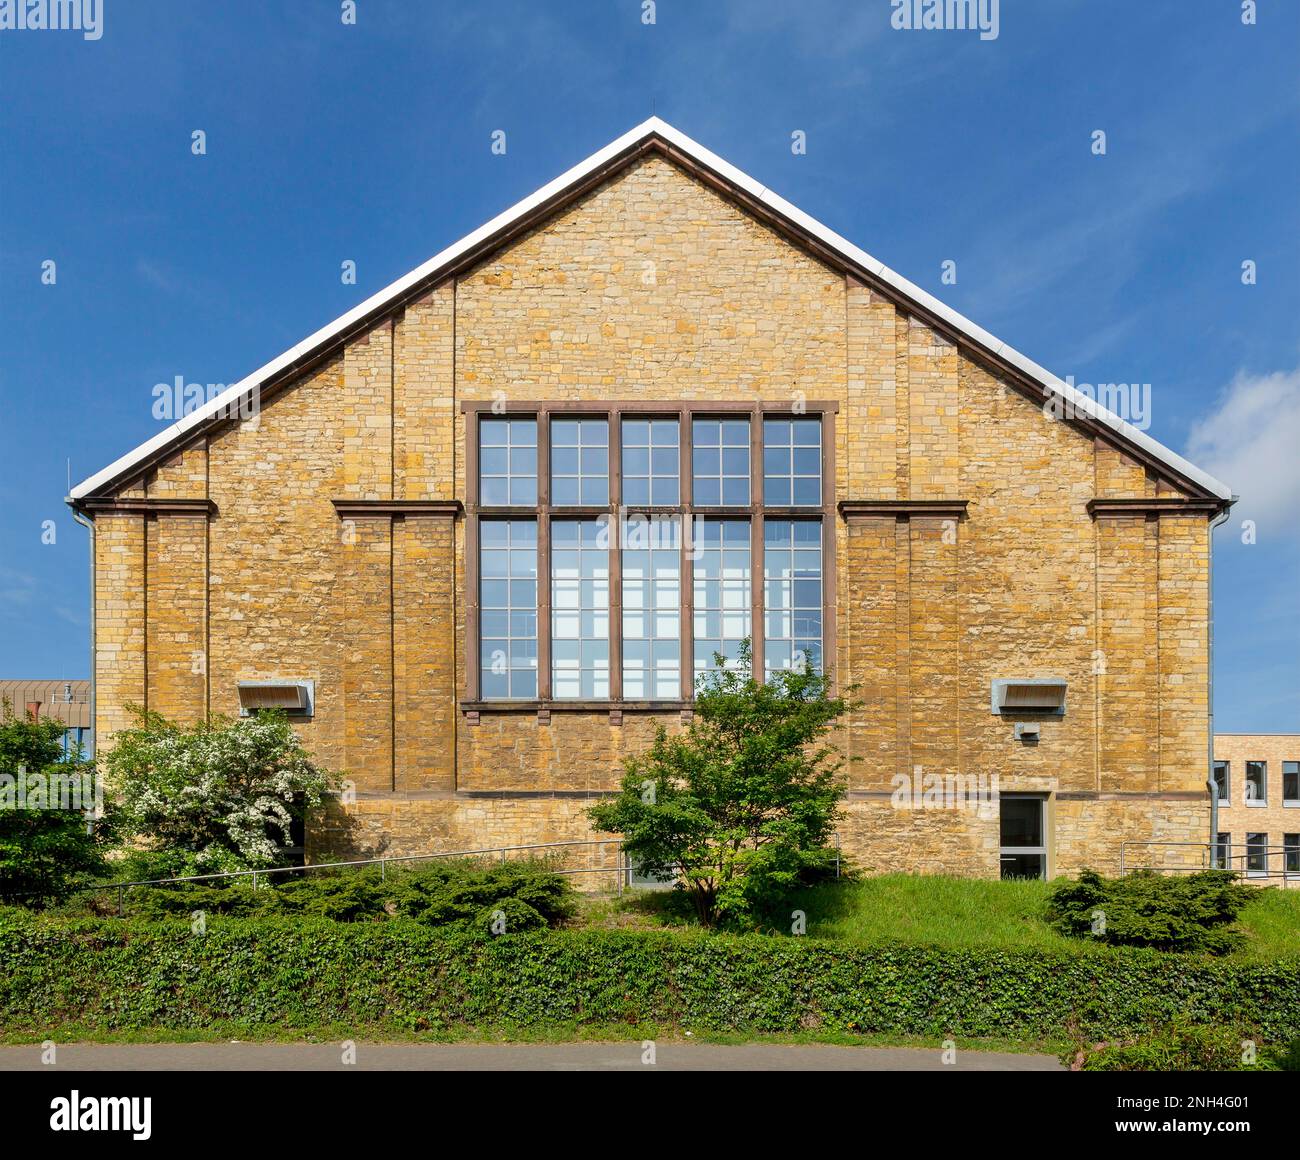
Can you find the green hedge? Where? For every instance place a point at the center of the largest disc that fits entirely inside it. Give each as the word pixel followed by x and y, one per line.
pixel 295 974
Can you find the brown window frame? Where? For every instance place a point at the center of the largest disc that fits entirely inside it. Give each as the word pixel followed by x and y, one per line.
pixel 756 512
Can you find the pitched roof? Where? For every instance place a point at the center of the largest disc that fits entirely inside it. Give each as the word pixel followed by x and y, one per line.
pixel 655 135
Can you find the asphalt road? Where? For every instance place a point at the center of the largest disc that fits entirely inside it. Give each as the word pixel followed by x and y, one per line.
pixel 672 1055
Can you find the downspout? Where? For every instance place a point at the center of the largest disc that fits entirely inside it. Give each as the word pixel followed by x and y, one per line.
pixel 1209 687
pixel 89 525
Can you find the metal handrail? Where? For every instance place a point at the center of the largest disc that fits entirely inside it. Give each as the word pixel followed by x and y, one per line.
pixel 1235 851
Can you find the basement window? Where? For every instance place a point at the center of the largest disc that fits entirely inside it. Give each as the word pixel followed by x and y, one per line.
pixel 293 698
pixel 1022 830
pixel 1044 695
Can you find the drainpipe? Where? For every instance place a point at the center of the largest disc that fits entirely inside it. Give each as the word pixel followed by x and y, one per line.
pixel 1209 684
pixel 89 525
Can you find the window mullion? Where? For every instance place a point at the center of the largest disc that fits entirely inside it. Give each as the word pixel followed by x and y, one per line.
pixel 614 562
pixel 543 555
pixel 758 580
pixel 686 545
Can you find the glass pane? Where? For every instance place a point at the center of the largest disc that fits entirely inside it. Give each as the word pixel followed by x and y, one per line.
pixel 508 461
pixel 508 609
pixel 1022 821
pixel 579 609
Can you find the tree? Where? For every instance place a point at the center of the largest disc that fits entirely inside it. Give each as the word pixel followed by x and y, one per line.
pixel 215 796
pixel 46 851
pixel 742 803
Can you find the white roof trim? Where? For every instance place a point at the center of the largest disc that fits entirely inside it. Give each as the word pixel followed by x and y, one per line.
pixel 697 152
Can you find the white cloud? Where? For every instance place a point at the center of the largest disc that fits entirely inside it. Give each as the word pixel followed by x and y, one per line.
pixel 1251 441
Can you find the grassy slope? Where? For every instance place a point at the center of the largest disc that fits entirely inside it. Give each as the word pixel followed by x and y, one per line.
pixel 961 912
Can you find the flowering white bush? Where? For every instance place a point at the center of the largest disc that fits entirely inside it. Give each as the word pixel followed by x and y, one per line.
pixel 221 794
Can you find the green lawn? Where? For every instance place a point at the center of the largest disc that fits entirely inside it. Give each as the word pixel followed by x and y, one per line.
pixel 959 912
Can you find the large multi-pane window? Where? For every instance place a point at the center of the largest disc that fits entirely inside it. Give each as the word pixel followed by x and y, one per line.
pixel 723 559
pixel 1291 782
pixel 579 462
pixel 651 462
pixel 636 545
pixel 508 608
pixel 721 462
pixel 652 619
pixel 792 576
pixel 508 462
pixel 579 609
pixel 792 462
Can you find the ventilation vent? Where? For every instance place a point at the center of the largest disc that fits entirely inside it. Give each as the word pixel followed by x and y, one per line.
pixel 1032 695
pixel 293 698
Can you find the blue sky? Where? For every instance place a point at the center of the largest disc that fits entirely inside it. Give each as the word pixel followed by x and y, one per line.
pixel 329 142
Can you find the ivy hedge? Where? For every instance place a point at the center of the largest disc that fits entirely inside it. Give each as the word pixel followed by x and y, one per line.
pixel 296 974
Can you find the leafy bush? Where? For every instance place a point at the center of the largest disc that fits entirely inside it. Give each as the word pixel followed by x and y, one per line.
pixel 1181 1047
pixel 529 896
pixel 300 973
pixel 221 794
pixel 45 854
pixel 1192 912
pixel 445 893
pixel 739 808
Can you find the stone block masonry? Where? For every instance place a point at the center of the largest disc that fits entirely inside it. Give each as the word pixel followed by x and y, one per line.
pixel 655 289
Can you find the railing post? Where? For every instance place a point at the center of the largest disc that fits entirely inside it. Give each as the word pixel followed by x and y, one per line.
pixel 383 870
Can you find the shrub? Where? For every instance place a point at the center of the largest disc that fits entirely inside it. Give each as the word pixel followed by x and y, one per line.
pixel 216 796
pixel 1180 1047
pixel 299 973
pixel 1192 912
pixel 739 808
pixel 46 853
pixel 528 895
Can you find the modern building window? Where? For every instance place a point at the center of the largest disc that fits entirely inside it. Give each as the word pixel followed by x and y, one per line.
pixel 1256 853
pixel 1256 783
pixel 615 548
pixel 1022 827
pixel 651 463
pixel 508 608
pixel 1223 851
pixel 792 578
pixel 720 454
pixel 579 462
pixel 1291 852
pixel 792 462
pixel 579 609
pixel 1291 783
pixel 507 462
pixel 722 590
pixel 1222 778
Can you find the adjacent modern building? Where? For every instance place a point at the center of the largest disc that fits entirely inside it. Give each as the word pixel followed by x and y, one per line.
pixel 1257 819
pixel 481 535
pixel 65 701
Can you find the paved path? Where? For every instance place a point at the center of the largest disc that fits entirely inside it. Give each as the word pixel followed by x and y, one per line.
pixel 672 1055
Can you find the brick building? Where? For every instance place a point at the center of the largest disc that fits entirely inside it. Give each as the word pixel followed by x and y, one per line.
pixel 399 530
pixel 1257 823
